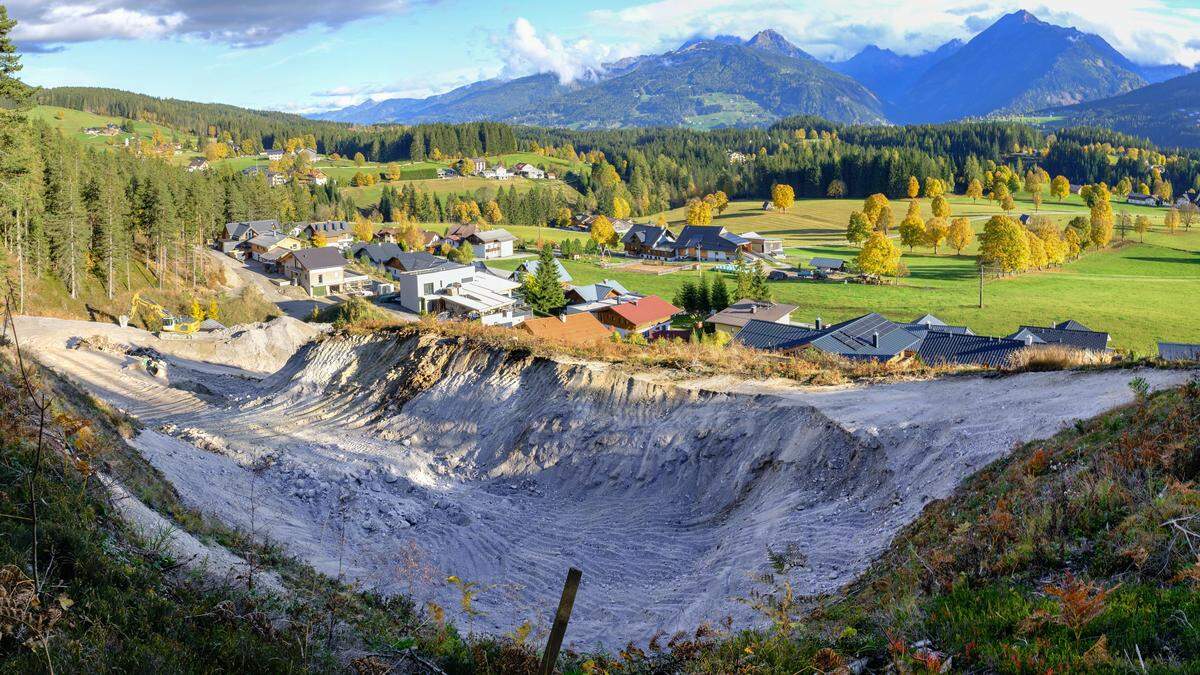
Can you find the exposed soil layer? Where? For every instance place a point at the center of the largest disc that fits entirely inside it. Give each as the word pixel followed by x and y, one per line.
pixel 400 461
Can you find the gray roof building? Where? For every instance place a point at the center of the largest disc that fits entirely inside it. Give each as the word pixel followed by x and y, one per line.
pixel 376 254
pixel 319 258
pixel 246 229
pixel 650 236
pixel 827 264
pixel 329 227
pixel 594 292
pixel 870 336
pixel 1067 333
pixel 709 238
pixel 941 348
pixel 1178 351
pixel 531 267
pixel 418 261
pixel 743 312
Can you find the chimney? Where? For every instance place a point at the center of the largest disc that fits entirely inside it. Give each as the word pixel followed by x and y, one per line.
pixel 754 308
pixel 562 318
pixel 875 340
pixel 1028 340
pixel 817 325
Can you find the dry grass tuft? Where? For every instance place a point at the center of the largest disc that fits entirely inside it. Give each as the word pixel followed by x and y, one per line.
pixel 1057 357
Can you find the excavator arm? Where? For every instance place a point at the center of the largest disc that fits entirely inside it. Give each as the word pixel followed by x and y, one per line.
pixel 170 323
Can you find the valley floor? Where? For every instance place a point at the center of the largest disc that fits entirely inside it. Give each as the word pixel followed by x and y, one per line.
pixel 399 462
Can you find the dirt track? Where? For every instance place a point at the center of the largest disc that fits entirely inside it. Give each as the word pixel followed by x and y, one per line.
pixel 504 470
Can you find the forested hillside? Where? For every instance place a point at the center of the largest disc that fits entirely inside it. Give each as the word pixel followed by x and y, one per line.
pixel 263 129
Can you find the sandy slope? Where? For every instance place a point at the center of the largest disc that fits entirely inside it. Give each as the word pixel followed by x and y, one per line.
pixel 504 469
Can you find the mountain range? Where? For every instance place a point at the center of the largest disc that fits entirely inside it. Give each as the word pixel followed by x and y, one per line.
pixel 1018 65
pixel 1168 113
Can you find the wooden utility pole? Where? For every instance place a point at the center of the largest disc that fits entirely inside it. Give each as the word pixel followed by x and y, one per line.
pixel 559 629
pixel 981 286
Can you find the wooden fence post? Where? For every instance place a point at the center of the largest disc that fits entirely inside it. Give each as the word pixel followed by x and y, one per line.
pixel 559 629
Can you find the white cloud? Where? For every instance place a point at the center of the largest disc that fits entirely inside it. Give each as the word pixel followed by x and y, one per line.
pixel 524 51
pixel 243 23
pixel 79 23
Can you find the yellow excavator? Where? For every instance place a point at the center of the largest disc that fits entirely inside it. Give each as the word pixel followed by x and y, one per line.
pixel 170 322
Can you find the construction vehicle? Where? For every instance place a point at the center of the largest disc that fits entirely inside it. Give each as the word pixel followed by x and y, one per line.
pixel 170 323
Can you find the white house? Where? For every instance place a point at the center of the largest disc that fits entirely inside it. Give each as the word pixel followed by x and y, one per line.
pixel 489 244
pixel 529 171
pixel 1142 200
pixel 499 172
pixel 274 155
pixel 320 271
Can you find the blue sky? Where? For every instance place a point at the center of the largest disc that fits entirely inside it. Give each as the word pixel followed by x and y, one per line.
pixel 299 55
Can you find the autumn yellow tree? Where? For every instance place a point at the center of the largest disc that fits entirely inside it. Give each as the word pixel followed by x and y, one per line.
pixel 359 159
pixel 912 230
pixel 720 201
pixel 1102 216
pixel 319 240
pixel 1003 243
pixel 1141 225
pixel 699 212
pixel 1171 220
pixel 1037 250
pixel 914 187
pixel 563 217
pixel 940 206
pixel 782 196
pixel 936 231
pixel 879 256
pixel 886 219
pixel 492 214
pixel 362 229
pixel 620 208
pixel 960 235
pixel 1060 188
pixel 836 189
pixel 393 171
pixel 1074 245
pixel 602 233
pixel 873 206
pixel 975 190
pixel 859 228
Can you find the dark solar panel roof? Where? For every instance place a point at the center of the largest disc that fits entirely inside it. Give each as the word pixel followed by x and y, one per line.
pixel 772 336
pixel 827 263
pixel 940 348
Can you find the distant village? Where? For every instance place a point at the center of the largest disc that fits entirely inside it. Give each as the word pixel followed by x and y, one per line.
pixel 421 282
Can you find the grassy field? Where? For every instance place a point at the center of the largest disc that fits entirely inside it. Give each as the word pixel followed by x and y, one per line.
pixel 73 122
pixel 1139 292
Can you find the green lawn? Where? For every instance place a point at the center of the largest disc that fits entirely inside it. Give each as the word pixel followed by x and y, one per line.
pixel 1138 292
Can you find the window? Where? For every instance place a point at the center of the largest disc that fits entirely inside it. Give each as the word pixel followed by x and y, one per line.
pixel 428 290
pixel 320 278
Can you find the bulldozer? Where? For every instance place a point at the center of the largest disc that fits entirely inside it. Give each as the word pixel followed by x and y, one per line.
pixel 171 324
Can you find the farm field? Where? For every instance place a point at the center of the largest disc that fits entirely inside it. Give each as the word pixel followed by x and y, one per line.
pixel 1139 292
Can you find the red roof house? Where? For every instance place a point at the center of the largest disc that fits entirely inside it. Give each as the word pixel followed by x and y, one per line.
pixel 648 315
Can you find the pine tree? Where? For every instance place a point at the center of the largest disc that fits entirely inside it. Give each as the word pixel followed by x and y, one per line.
pixel 720 294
